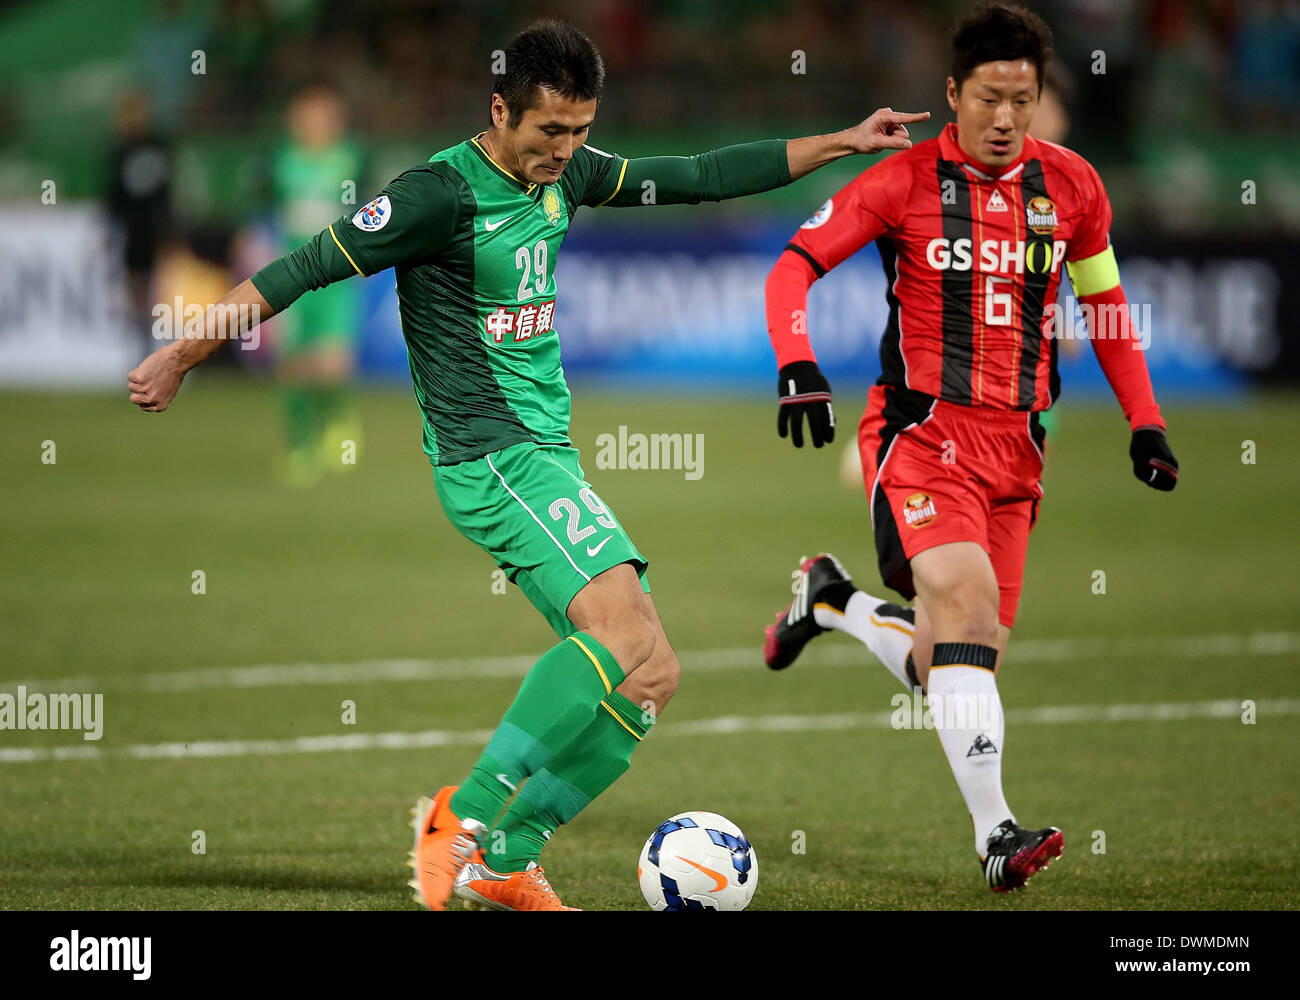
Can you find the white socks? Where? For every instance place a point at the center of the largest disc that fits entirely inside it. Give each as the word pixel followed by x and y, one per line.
pixel 889 639
pixel 968 717
pixel 964 704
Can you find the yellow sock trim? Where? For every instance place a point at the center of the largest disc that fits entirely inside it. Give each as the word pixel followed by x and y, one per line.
pixel 621 721
pixel 910 633
pixel 595 663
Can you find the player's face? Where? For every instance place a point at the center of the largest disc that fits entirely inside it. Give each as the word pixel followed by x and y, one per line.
pixel 540 144
pixel 994 106
pixel 316 119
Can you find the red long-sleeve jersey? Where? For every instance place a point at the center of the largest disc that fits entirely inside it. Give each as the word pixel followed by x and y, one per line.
pixel 973 260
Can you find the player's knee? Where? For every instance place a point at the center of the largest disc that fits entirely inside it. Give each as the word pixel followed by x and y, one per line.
pixel 977 621
pixel 654 683
pixel 667 674
pixel 970 610
pixel 641 640
pixel 629 636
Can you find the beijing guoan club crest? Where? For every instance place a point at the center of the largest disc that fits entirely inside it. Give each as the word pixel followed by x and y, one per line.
pixel 551 205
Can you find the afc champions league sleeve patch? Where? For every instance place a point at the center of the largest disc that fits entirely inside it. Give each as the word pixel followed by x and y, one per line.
pixel 374 216
pixel 820 216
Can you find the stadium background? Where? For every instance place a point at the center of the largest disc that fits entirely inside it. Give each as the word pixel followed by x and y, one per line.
pixel 1193 127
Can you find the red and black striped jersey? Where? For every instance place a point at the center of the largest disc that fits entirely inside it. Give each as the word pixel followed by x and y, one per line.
pixel 973 260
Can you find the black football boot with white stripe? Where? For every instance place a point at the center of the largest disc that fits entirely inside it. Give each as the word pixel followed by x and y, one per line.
pixel 822 580
pixel 1015 854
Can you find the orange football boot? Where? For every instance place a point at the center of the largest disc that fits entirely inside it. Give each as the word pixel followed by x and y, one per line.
pixel 443 844
pixel 525 890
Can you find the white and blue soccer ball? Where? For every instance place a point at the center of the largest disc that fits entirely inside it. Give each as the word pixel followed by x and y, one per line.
pixel 698 861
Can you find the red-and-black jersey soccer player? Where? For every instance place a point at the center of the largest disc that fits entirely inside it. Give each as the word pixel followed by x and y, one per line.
pixel 974 229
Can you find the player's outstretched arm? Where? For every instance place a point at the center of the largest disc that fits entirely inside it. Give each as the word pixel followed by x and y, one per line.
pixel 731 171
pixel 316 263
pixel 884 130
pixel 154 382
pixel 413 217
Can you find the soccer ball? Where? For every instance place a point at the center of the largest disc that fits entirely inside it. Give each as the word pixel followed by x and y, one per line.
pixel 698 861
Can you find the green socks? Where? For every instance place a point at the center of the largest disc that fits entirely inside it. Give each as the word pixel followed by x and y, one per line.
pixel 309 411
pixel 562 788
pixel 555 703
pixel 302 420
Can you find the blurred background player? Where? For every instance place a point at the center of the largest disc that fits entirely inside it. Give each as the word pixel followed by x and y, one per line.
pixel 140 172
pixel 973 229
pixel 317 170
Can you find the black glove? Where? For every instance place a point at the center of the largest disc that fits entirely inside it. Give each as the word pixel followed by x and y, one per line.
pixel 804 389
pixel 1153 462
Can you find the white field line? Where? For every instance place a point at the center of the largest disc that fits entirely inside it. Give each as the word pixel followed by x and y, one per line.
pixel 723 725
pixel 826 654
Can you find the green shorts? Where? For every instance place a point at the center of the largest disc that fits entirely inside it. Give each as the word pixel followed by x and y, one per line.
pixel 329 316
pixel 530 507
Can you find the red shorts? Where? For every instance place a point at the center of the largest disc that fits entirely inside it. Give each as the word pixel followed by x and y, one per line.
pixel 937 472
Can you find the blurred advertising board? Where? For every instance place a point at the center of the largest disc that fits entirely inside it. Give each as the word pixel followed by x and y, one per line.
pixel 680 305
pixel 675 305
pixel 62 299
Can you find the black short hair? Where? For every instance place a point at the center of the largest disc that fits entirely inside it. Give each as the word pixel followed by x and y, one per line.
pixel 994 32
pixel 551 54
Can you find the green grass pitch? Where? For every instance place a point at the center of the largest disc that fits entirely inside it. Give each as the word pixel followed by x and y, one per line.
pixel 98 549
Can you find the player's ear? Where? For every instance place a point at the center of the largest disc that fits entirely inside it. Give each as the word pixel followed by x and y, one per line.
pixel 499 111
pixel 952 93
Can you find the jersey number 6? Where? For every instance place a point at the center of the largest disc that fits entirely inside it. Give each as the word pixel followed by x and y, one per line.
pixel 997 305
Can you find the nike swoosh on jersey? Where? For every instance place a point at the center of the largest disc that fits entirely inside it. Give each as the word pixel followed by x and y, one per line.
pixel 489 225
pixel 592 552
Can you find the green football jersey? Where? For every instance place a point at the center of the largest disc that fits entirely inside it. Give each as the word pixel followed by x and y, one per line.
pixel 473 249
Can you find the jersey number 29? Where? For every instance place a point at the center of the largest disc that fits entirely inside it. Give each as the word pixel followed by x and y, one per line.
pixel 532 264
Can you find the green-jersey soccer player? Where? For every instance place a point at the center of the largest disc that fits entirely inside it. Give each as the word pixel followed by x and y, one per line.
pixel 473 236
pixel 316 350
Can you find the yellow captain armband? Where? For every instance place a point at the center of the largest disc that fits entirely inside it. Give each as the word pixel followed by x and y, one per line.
pixel 1098 273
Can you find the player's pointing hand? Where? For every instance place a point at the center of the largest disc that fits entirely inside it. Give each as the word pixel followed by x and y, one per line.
pixel 886 129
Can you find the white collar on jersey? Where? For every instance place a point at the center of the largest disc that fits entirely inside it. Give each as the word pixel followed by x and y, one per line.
pixel 988 177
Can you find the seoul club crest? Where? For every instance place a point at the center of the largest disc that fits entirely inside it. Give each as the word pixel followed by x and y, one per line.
pixel 918 510
pixel 1040 215
pixel 551 205
pixel 374 216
